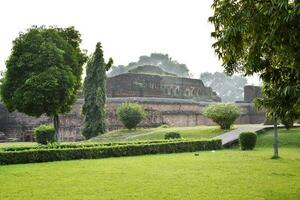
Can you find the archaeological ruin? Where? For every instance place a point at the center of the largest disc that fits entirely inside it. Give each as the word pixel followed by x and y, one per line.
pixel 167 100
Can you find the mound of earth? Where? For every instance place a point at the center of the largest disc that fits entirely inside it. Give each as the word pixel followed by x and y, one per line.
pixel 150 69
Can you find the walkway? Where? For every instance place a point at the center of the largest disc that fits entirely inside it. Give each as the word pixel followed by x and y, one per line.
pixel 233 136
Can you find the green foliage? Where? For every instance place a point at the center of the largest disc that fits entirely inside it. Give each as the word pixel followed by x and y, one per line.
pixel 247 140
pixel 131 114
pixel 172 135
pixel 164 126
pixel 287 122
pixel 43 72
pixel 94 91
pixel 264 43
pixel 224 114
pixel 44 134
pixel 47 155
pixel 229 88
pixel 162 61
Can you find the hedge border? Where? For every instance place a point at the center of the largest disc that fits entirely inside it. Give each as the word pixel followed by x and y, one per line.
pixel 48 155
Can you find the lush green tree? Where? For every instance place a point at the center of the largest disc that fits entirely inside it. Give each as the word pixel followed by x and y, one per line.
pixel 94 90
pixel 229 88
pixel 43 72
pixel 164 61
pixel 131 114
pixel 224 114
pixel 262 37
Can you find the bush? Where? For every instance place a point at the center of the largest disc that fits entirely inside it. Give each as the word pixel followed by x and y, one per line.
pixel 164 126
pixel 224 114
pixel 131 114
pixel 288 122
pixel 172 135
pixel 47 155
pixel 247 140
pixel 44 134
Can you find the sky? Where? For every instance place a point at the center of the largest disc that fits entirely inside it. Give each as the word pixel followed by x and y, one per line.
pixel 127 29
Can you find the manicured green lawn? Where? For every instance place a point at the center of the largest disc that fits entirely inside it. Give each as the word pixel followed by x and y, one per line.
pixel 226 174
pixel 196 132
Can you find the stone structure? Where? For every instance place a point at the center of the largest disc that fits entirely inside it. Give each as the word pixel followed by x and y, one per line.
pixel 251 92
pixel 147 90
pixel 147 85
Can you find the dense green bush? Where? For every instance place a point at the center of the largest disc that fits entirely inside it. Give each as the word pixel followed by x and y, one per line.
pixel 78 145
pixel 47 155
pixel 288 123
pixel 165 126
pixel 247 140
pixel 224 114
pixel 44 134
pixel 131 114
pixel 172 135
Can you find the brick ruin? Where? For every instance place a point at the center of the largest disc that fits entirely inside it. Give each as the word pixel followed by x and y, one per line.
pixel 147 85
pixel 166 99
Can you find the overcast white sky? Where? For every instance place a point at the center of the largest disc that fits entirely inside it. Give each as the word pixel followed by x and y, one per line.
pixel 127 29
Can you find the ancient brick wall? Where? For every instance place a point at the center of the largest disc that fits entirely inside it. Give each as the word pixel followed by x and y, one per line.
pixel 251 92
pixel 177 112
pixel 146 85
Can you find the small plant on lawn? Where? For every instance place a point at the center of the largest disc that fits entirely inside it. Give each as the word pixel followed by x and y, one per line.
pixel 44 134
pixel 165 126
pixel 172 135
pixel 224 114
pixel 247 140
pixel 131 114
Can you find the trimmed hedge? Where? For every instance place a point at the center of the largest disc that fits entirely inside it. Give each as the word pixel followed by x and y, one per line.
pixel 47 155
pixel 247 140
pixel 44 134
pixel 172 135
pixel 78 145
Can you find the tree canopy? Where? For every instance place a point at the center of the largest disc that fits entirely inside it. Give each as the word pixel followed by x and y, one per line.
pixel 164 61
pixel 43 72
pixel 262 37
pixel 229 88
pixel 94 90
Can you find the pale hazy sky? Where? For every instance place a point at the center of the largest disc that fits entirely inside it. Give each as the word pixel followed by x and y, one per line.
pixel 127 29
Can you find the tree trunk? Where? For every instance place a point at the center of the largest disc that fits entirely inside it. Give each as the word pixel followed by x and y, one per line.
pixel 276 154
pixel 56 128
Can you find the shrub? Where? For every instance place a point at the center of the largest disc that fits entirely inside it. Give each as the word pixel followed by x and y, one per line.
pixel 131 114
pixel 164 126
pixel 47 155
pixel 44 134
pixel 172 135
pixel 224 114
pixel 247 140
pixel 288 123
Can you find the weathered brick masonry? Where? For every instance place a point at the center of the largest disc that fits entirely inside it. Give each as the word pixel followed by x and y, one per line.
pixel 166 100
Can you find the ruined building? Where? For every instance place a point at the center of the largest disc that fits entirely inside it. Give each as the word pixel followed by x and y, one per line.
pixel 167 99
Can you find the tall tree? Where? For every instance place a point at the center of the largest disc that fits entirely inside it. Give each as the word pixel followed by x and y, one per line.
pixel 229 88
pixel 262 37
pixel 43 72
pixel 94 91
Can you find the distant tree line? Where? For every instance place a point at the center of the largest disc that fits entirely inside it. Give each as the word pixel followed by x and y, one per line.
pixel 164 61
pixel 229 88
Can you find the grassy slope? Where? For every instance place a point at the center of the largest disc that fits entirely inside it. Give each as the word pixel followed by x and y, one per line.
pixel 226 174
pixel 197 132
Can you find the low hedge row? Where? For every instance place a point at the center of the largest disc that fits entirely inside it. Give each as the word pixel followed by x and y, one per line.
pixel 47 155
pixel 78 145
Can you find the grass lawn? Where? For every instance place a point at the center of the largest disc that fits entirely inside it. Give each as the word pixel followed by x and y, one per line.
pixel 196 132
pixel 226 174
